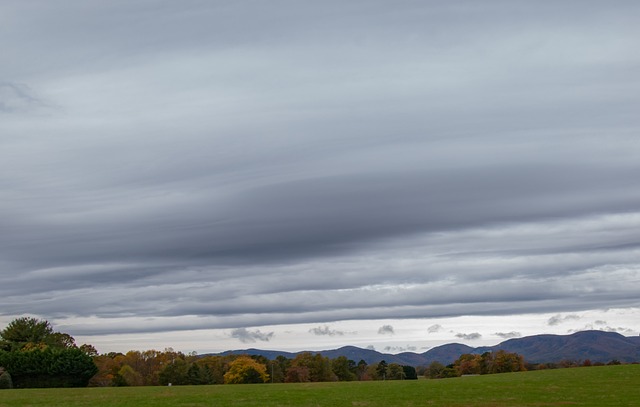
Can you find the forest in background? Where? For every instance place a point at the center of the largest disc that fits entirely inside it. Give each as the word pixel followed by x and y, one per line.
pixel 32 354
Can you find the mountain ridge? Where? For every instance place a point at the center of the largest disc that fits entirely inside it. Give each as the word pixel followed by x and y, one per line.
pixel 597 346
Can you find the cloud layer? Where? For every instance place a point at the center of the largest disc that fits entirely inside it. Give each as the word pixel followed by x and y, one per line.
pixel 178 166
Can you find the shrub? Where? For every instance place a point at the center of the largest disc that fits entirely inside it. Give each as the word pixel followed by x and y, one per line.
pixel 49 367
pixel 5 379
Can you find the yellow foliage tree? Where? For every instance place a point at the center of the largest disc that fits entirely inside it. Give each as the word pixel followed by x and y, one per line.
pixel 130 376
pixel 246 370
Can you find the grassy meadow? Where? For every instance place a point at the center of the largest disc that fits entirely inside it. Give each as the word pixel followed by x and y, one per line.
pixel 593 386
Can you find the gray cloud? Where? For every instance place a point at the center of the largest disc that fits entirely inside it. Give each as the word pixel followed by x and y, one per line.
pixel 508 335
pixel 434 328
pixel 17 97
pixel 470 337
pixel 559 319
pixel 621 330
pixel 598 326
pixel 246 336
pixel 325 331
pixel 235 165
pixel 386 330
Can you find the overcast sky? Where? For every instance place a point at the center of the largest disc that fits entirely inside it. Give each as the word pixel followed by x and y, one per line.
pixel 211 175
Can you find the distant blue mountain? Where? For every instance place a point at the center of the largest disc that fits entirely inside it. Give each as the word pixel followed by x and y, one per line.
pixel 597 346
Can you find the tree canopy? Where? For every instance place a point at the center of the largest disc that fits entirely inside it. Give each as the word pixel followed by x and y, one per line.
pixel 34 355
pixel 245 370
pixel 30 333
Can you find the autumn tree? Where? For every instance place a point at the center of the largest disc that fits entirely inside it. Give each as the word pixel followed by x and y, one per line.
pixel 213 368
pixel 361 370
pixel 108 367
pixel 486 363
pixel 489 363
pixel 246 370
pixel 371 372
pixel 437 370
pixel 130 376
pixel 395 372
pixel 297 374
pixel 279 368
pixel 467 364
pixel 309 367
pixel 504 362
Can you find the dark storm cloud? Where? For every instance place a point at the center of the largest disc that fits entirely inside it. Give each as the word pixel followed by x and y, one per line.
pixel 243 163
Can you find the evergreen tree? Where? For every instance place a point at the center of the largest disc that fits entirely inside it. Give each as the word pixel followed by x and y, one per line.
pixel 381 370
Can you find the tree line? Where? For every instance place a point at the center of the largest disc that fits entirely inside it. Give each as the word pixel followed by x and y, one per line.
pixel 475 364
pixel 497 362
pixel 32 354
pixel 151 368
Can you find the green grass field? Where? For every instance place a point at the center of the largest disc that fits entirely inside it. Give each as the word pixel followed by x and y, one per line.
pixel 594 386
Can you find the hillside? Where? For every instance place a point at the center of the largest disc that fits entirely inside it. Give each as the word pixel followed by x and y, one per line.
pixel 596 346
